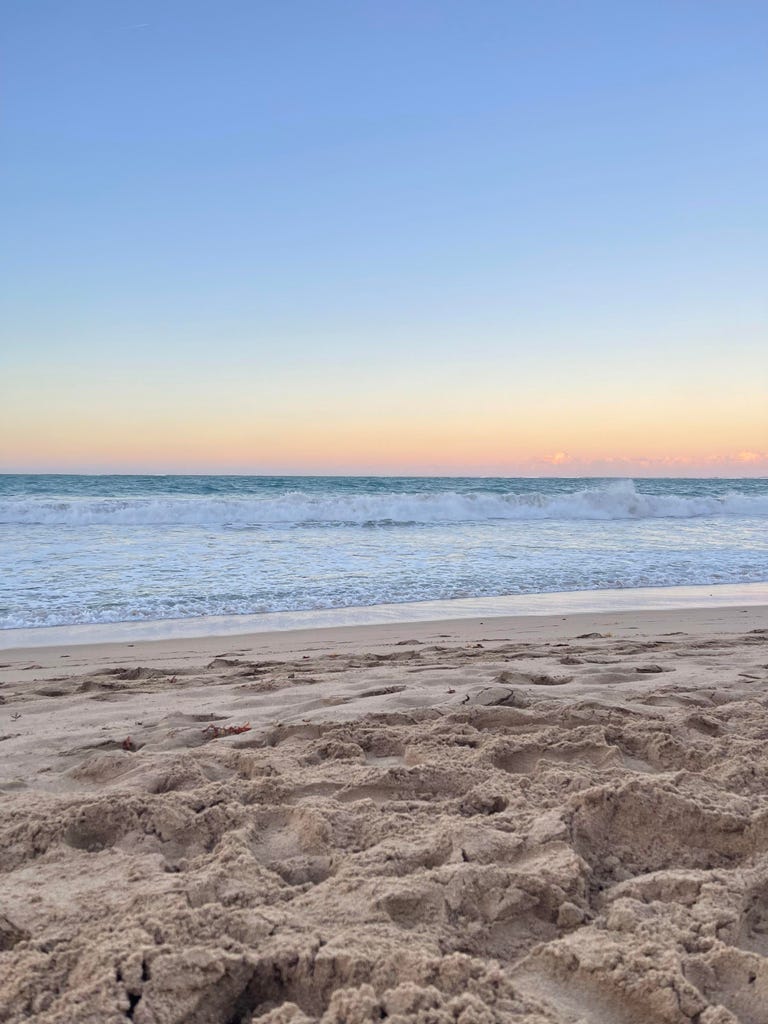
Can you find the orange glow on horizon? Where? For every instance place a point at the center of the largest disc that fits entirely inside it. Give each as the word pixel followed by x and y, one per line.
pixel 375 455
pixel 447 432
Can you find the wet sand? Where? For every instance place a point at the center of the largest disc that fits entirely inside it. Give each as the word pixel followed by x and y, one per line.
pixel 541 819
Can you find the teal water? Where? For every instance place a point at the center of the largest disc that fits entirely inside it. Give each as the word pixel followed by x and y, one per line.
pixel 82 549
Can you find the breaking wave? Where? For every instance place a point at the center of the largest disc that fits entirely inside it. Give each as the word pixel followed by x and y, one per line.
pixel 613 501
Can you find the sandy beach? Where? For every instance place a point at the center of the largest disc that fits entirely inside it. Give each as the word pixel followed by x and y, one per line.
pixel 384 513
pixel 551 819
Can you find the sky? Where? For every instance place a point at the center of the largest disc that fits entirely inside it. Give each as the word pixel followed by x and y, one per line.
pixel 404 236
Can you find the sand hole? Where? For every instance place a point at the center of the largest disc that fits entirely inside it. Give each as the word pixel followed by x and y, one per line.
pixel 528 760
pixel 90 837
pixel 303 870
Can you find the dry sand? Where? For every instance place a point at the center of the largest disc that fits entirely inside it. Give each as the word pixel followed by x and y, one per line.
pixel 524 820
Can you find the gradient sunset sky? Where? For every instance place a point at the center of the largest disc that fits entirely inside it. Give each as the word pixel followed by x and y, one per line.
pixel 515 237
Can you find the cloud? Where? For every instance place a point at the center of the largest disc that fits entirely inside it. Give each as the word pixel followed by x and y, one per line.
pixel 557 459
pixel 752 463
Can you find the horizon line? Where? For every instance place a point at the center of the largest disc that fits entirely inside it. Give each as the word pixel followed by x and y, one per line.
pixel 394 476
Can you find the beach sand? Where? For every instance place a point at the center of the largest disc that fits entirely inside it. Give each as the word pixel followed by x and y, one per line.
pixel 553 819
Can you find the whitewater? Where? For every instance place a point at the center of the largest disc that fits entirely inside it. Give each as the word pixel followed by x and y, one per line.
pixel 90 549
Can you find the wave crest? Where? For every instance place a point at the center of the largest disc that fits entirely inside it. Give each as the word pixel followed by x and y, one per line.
pixel 617 500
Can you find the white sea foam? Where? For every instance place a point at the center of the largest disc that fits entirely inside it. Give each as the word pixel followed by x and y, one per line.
pixel 618 500
pixel 90 549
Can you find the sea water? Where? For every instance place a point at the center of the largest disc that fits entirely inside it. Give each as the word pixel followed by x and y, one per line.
pixel 99 549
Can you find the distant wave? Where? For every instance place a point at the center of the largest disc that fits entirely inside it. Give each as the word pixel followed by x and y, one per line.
pixel 613 501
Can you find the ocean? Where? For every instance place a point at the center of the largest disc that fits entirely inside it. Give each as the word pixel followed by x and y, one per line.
pixel 105 549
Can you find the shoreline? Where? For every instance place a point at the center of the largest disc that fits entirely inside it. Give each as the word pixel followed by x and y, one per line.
pixel 25 664
pixel 404 614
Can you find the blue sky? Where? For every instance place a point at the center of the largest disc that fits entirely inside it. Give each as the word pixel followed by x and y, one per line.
pixel 264 220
